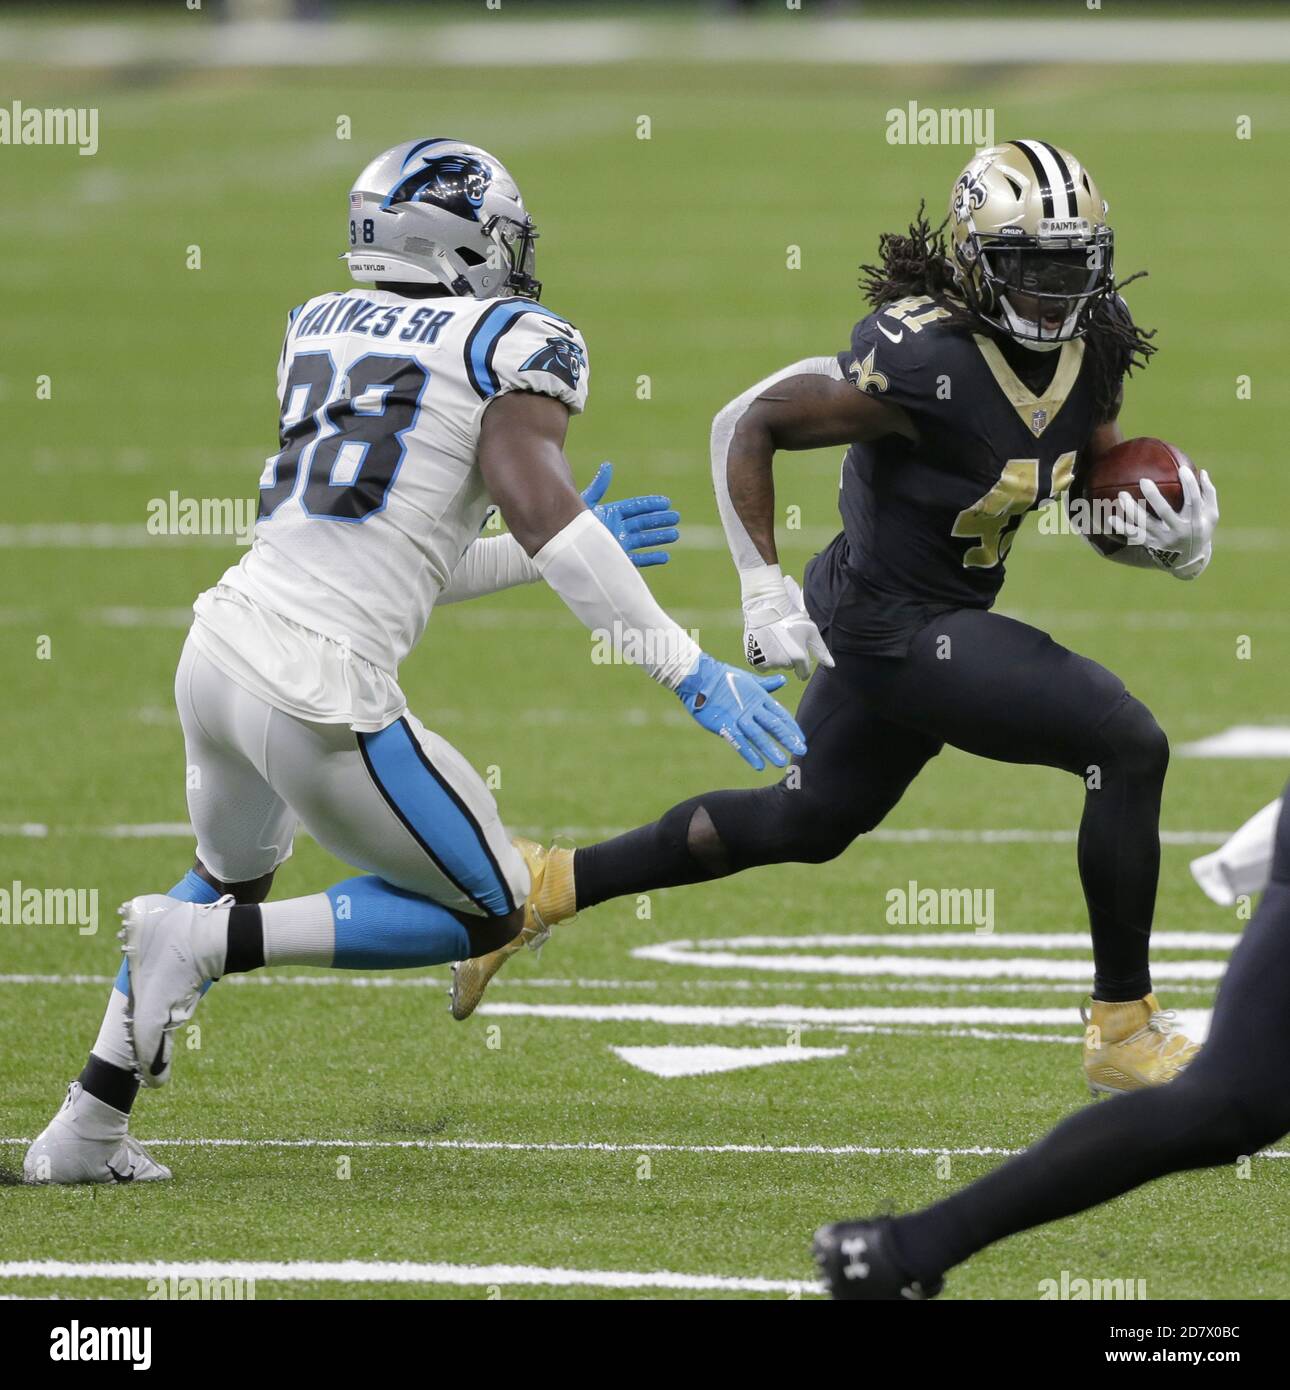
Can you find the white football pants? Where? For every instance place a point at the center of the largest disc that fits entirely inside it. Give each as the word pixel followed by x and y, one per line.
pixel 402 803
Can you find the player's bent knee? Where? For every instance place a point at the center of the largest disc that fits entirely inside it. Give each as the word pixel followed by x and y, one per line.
pixel 705 845
pixel 728 831
pixel 731 831
pixel 488 934
pixel 1136 740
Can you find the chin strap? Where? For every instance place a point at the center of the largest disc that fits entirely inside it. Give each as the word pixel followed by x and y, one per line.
pixel 1040 345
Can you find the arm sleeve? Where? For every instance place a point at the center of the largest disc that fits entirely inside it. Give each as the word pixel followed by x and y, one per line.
pixel 586 566
pixel 489 564
pixel 742 549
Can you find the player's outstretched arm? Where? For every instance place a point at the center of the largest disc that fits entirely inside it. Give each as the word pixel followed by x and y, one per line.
pixel 521 456
pixel 809 405
pixel 643 526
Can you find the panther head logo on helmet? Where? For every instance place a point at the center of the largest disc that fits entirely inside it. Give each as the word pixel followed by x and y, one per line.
pixel 457 183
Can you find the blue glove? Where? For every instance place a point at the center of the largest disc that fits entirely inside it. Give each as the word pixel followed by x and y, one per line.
pixel 636 523
pixel 738 707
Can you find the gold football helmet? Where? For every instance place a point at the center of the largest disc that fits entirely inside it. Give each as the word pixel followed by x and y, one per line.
pixel 1031 247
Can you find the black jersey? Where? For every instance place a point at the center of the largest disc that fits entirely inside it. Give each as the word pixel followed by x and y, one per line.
pixel 927 525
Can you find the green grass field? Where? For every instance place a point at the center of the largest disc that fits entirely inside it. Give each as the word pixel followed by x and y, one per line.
pixel 357 1120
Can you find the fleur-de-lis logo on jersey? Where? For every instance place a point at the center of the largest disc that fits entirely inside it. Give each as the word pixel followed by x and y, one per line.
pixel 866 376
pixel 969 194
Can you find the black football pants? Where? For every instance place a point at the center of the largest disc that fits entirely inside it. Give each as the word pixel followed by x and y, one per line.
pixel 983 683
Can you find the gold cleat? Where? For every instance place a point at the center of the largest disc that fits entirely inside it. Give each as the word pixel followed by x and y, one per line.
pixel 550 900
pixel 1128 1047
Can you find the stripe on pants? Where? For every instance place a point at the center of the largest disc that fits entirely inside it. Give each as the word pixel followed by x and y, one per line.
pixel 435 816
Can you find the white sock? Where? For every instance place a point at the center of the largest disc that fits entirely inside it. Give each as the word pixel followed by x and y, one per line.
pixel 113 1043
pixel 210 940
pixel 299 931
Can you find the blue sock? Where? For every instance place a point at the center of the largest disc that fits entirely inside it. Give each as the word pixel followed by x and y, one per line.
pixel 192 888
pixel 381 927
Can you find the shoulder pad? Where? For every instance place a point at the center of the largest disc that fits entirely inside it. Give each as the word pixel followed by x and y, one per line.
pixel 518 345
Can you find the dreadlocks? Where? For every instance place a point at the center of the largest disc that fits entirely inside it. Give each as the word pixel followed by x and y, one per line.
pixel 917 262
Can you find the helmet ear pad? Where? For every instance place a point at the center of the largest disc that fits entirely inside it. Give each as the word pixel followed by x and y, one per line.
pixel 976 289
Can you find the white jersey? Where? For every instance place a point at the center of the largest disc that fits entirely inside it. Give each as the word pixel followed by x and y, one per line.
pixel 375 495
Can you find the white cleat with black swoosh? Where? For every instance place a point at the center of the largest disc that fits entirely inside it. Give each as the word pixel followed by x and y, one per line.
pixel 88 1141
pixel 159 937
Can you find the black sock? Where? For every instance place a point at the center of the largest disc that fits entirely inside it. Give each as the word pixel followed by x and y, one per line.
pixel 114 1086
pixel 245 939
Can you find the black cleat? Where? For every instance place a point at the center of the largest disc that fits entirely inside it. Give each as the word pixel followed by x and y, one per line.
pixel 856 1260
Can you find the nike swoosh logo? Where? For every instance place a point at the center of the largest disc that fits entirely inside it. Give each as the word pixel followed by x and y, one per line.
pixel 895 337
pixel 734 689
pixel 120 1177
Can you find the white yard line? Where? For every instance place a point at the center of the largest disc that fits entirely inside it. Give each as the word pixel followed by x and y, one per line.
pixel 517 981
pixel 170 830
pixel 607 1147
pixel 934 938
pixel 784 1015
pixel 126 616
pixel 398 1272
pixel 99 535
pixel 988 968
pixel 1242 741
pixel 134 535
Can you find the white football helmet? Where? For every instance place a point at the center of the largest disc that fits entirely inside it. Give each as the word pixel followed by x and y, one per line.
pixel 441 212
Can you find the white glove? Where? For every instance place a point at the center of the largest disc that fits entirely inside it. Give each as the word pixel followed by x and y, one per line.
pixel 778 632
pixel 1177 541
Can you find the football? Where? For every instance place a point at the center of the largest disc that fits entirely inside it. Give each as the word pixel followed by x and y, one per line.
pixel 1121 469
